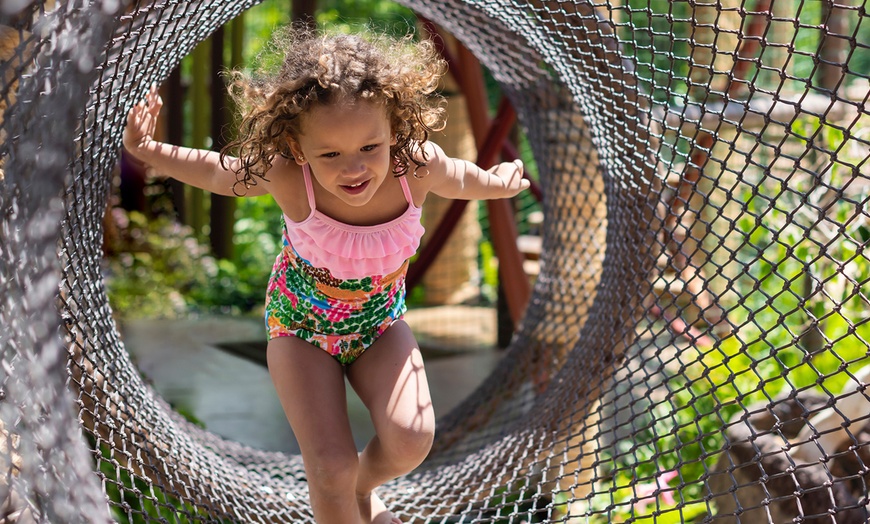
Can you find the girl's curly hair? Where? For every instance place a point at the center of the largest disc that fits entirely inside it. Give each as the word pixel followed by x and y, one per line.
pixel 322 69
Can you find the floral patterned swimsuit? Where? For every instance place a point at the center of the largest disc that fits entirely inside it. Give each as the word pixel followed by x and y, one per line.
pixel 340 286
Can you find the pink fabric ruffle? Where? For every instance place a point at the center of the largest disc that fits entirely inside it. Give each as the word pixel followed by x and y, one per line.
pixel 356 252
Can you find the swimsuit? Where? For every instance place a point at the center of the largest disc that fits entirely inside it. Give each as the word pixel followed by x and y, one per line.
pixel 340 286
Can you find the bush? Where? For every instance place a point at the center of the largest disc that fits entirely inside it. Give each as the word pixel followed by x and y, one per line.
pixel 158 268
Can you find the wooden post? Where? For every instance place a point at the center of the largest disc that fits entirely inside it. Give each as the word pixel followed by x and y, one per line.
pixel 195 215
pixel 173 117
pixel 503 226
pixel 303 11
pixel 486 155
pixel 687 204
pixel 833 49
pixel 493 140
pixel 451 277
pixel 223 208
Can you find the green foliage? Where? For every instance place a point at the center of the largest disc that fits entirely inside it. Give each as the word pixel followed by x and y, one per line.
pixel 489 265
pixel 160 269
pixel 515 503
pixel 260 22
pixel 335 15
pixel 136 500
pixel 347 15
pixel 800 324
pixel 239 285
pixel 860 60
pixel 154 266
pixel 809 36
pixel 661 37
pixel 657 37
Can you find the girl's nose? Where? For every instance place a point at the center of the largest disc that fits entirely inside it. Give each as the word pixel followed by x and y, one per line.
pixel 354 165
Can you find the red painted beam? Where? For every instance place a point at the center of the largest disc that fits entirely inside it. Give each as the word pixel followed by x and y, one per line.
pixel 749 46
pixel 509 151
pixel 485 157
pixel 492 139
pixel 502 220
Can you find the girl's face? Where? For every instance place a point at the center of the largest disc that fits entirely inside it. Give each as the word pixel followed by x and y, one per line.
pixel 347 145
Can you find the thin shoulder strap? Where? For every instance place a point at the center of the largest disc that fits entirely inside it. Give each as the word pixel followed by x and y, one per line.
pixel 406 189
pixel 309 189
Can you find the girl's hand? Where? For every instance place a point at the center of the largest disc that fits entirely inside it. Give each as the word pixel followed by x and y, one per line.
pixel 511 175
pixel 142 121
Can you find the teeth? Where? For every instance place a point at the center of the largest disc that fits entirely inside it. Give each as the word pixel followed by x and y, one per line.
pixel 356 185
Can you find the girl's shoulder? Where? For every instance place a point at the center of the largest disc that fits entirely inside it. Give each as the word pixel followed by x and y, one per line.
pixel 286 184
pixel 428 156
pixel 429 151
pixel 432 169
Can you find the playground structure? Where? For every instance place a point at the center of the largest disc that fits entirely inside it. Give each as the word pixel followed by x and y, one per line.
pixel 695 347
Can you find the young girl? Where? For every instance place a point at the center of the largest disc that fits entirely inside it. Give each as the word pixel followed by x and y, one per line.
pixel 339 138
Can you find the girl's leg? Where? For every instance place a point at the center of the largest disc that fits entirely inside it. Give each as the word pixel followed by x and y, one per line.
pixel 391 381
pixel 310 385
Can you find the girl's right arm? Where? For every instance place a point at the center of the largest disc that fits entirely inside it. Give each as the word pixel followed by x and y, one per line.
pixel 197 167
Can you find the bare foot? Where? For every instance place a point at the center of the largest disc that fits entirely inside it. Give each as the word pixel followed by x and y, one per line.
pixel 373 510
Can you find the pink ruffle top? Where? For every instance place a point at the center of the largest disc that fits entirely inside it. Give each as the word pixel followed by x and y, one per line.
pixel 355 252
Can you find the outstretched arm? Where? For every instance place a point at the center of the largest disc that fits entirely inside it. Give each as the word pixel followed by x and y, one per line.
pixel 197 167
pixel 461 179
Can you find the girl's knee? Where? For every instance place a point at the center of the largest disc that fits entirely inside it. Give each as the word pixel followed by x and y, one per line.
pixel 332 471
pixel 410 444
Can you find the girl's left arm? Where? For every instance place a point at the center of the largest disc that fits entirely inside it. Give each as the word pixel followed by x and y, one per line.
pixel 461 179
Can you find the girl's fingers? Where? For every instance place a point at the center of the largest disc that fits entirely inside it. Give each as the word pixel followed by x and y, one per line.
pixel 155 103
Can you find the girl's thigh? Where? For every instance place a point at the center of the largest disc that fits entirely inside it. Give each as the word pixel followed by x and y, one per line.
pixel 390 379
pixel 310 384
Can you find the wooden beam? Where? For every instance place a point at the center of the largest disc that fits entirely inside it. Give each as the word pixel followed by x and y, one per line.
pixel 195 197
pixel 509 151
pixel 173 112
pixel 223 208
pixel 502 220
pixel 486 156
pixel 834 44
pixel 303 11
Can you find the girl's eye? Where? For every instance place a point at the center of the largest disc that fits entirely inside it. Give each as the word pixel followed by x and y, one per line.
pixel 329 155
pixel 371 147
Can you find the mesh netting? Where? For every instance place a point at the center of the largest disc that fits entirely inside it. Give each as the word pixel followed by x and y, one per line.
pixel 696 345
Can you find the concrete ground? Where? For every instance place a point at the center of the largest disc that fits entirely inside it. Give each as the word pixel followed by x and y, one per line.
pixel 212 367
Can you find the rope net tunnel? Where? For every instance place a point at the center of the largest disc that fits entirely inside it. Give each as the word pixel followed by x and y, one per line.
pixel 696 344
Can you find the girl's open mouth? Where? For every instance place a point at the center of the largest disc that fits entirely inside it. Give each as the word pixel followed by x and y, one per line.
pixel 356 188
